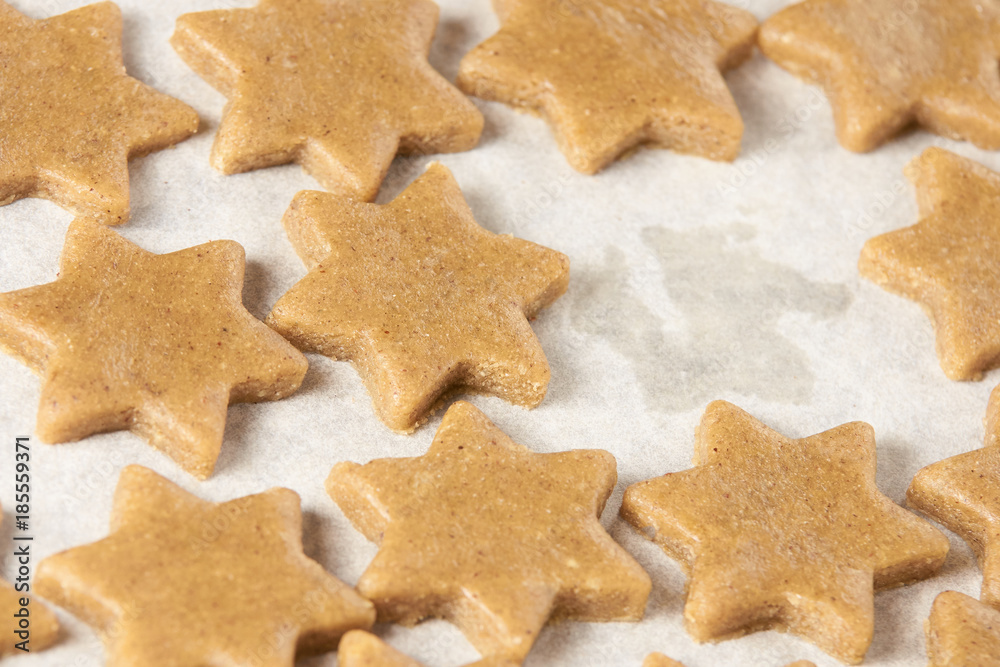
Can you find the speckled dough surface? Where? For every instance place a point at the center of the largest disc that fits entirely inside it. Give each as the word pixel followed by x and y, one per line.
pixel 963 494
pixel 155 344
pixel 181 581
pixel 888 63
pixel 339 86
pixel 71 117
pixel 490 536
pixel 419 297
pixel 43 628
pixel 609 75
pixel 949 262
pixel 783 533
pixel 962 632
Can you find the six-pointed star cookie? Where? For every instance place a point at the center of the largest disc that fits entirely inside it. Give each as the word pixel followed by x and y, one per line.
pixel 963 494
pixel 70 118
pixel 339 86
pixel 609 75
pixel 490 535
pixel 886 64
pixel 156 344
pixel 30 627
pixel 962 632
pixel 363 649
pixel 182 581
pixel 419 297
pixel 784 533
pixel 949 261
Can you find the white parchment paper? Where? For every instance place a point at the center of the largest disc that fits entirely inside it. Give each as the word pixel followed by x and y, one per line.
pixel 691 281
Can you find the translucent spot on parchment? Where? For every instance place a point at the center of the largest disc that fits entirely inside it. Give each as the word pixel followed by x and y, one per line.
pixel 731 300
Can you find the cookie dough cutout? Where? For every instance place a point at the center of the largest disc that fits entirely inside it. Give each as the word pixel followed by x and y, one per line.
pixel 490 536
pixel 949 262
pixel 611 75
pixel 363 649
pixel 338 86
pixel 782 533
pixel 217 583
pixel 71 117
pixel 422 300
pixel 962 632
pixel 159 345
pixel 43 626
pixel 963 494
pixel 886 64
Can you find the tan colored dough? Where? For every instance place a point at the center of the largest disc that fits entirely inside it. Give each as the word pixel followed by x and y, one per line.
pixel 886 64
pixel 963 494
pixel 363 649
pixel 43 629
pixel 660 660
pixel 339 86
pixel 949 262
pixel 783 533
pixel 962 632
pixel 183 581
pixel 491 536
pixel 610 75
pixel 159 345
pixel 422 300
pixel 71 117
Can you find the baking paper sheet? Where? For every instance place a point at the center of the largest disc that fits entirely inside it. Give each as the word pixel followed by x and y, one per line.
pixel 691 281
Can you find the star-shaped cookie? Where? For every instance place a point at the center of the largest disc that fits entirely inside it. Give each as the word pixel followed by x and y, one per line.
pixel 183 581
pixel 949 261
pixel 783 533
pixel 70 117
pixel 338 86
pixel 992 420
pixel 886 64
pixel 156 344
pixel 363 649
pixel 610 75
pixel 962 632
pixel 419 297
pixel 42 628
pixel 963 494
pixel 491 536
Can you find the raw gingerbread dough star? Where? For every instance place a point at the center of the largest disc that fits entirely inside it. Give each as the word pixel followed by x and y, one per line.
pixel 660 660
pixel 992 420
pixel 949 261
pixel 339 86
pixel 783 533
pixel 70 117
pixel 363 649
pixel 491 536
pixel 963 494
pixel 183 581
pixel 419 297
pixel 962 632
pixel 43 627
pixel 156 344
pixel 886 64
pixel 610 75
